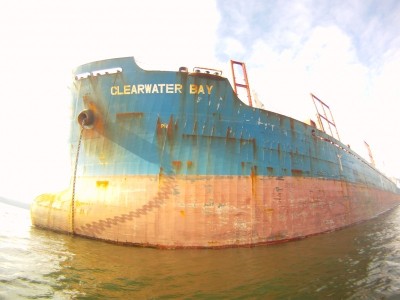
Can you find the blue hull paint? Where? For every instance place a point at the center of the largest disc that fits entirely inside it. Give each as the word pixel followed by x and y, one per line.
pixel 152 122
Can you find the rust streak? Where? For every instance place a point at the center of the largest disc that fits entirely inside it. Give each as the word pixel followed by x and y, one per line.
pixel 177 164
pixel 129 115
pixel 297 173
pixel 253 176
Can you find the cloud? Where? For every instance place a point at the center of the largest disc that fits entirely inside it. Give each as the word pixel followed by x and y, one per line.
pixel 233 47
pixel 347 53
pixel 292 74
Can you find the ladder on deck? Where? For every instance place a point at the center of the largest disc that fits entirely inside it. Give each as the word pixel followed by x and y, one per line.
pixel 371 157
pixel 324 118
pixel 244 83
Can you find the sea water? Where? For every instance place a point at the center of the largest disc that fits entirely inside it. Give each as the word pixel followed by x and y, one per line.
pixel 359 262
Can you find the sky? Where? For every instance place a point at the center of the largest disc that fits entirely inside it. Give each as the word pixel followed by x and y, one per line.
pixel 346 52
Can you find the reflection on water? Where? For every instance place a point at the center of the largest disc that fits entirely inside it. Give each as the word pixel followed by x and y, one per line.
pixel 362 261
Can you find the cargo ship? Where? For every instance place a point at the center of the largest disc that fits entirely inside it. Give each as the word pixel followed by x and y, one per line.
pixel 174 159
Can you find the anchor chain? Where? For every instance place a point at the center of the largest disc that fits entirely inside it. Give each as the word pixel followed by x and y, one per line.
pixel 74 179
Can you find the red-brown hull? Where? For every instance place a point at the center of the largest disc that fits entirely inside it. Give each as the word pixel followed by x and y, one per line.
pixel 209 211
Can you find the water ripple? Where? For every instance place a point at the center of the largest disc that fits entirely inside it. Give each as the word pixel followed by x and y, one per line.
pixel 359 262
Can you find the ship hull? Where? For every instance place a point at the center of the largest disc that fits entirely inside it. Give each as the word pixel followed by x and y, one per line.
pixel 176 160
pixel 209 211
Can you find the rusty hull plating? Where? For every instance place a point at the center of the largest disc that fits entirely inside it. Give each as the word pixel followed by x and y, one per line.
pixel 175 160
